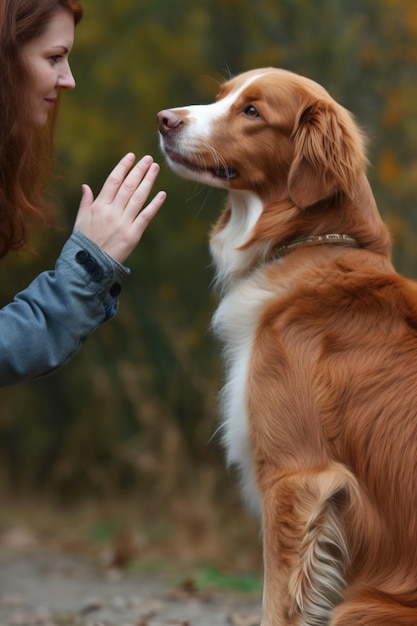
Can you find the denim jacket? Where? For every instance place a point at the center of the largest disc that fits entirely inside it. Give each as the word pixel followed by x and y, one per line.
pixel 46 324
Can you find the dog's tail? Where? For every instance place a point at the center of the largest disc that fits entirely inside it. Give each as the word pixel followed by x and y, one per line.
pixel 309 509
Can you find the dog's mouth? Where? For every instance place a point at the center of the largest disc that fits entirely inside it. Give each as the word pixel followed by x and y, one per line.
pixel 198 165
pixel 227 173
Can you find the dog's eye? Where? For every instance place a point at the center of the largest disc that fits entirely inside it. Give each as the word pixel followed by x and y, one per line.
pixel 251 111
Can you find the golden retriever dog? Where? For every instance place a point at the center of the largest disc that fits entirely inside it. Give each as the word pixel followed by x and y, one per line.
pixel 320 343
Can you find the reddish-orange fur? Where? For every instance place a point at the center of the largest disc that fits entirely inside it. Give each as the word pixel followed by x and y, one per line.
pixel 329 391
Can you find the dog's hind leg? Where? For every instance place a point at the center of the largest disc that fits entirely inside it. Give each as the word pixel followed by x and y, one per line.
pixel 305 549
pixel 371 608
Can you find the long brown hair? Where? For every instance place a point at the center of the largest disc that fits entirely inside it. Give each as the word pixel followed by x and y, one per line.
pixel 26 153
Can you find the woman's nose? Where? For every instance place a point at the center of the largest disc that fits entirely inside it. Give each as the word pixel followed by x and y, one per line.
pixel 66 79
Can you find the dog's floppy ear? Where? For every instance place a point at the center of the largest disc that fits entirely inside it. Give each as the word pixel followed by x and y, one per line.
pixel 329 154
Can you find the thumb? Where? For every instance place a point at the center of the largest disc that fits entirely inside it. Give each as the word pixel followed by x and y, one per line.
pixel 87 199
pixel 87 196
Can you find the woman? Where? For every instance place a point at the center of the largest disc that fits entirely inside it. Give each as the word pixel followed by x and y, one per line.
pixel 45 324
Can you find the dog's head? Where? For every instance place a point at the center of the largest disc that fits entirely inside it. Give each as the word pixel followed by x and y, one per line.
pixel 292 159
pixel 270 132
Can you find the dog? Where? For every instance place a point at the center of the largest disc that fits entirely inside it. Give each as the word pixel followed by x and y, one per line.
pixel 320 344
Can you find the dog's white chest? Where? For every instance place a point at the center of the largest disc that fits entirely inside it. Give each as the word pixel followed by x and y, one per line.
pixel 235 322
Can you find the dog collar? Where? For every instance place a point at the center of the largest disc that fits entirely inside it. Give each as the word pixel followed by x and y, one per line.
pixel 316 240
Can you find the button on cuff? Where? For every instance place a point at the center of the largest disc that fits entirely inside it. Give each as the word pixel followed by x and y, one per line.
pixel 90 264
pixel 96 274
pixel 85 259
pixel 115 290
pixel 81 257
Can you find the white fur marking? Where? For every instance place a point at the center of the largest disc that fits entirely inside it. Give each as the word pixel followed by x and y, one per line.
pixel 205 116
pixel 246 210
pixel 235 322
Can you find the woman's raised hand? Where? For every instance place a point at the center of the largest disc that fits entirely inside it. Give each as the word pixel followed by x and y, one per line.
pixel 116 219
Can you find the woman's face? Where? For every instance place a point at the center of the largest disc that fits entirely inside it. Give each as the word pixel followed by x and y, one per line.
pixel 46 58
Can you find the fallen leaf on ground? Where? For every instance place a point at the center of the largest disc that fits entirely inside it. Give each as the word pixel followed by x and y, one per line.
pixel 189 590
pixel 145 607
pixel 19 538
pixel 13 600
pixel 90 605
pixel 237 619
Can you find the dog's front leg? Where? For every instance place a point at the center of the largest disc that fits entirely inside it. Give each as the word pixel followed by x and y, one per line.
pixel 305 552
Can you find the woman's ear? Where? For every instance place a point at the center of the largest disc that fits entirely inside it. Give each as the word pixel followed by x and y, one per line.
pixel 329 154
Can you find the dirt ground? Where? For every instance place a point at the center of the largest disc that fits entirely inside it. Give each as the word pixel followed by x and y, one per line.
pixel 59 589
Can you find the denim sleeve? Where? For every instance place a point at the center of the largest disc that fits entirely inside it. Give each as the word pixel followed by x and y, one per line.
pixel 46 324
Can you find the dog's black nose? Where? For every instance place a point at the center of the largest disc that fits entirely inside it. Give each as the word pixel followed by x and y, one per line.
pixel 167 121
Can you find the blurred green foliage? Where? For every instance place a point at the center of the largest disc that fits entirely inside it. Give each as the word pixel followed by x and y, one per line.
pixel 135 411
pixel 211 577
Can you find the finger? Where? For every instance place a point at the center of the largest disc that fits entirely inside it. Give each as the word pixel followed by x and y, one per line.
pixel 134 180
pixel 87 199
pixel 142 192
pixel 87 196
pixel 116 178
pixel 144 218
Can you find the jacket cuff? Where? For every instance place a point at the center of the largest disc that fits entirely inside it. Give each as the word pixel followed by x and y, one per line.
pixel 103 275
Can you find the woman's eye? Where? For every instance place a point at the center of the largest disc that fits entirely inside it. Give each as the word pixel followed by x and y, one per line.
pixel 251 111
pixel 55 58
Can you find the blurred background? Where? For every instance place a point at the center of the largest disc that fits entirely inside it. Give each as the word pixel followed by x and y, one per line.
pixel 119 449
